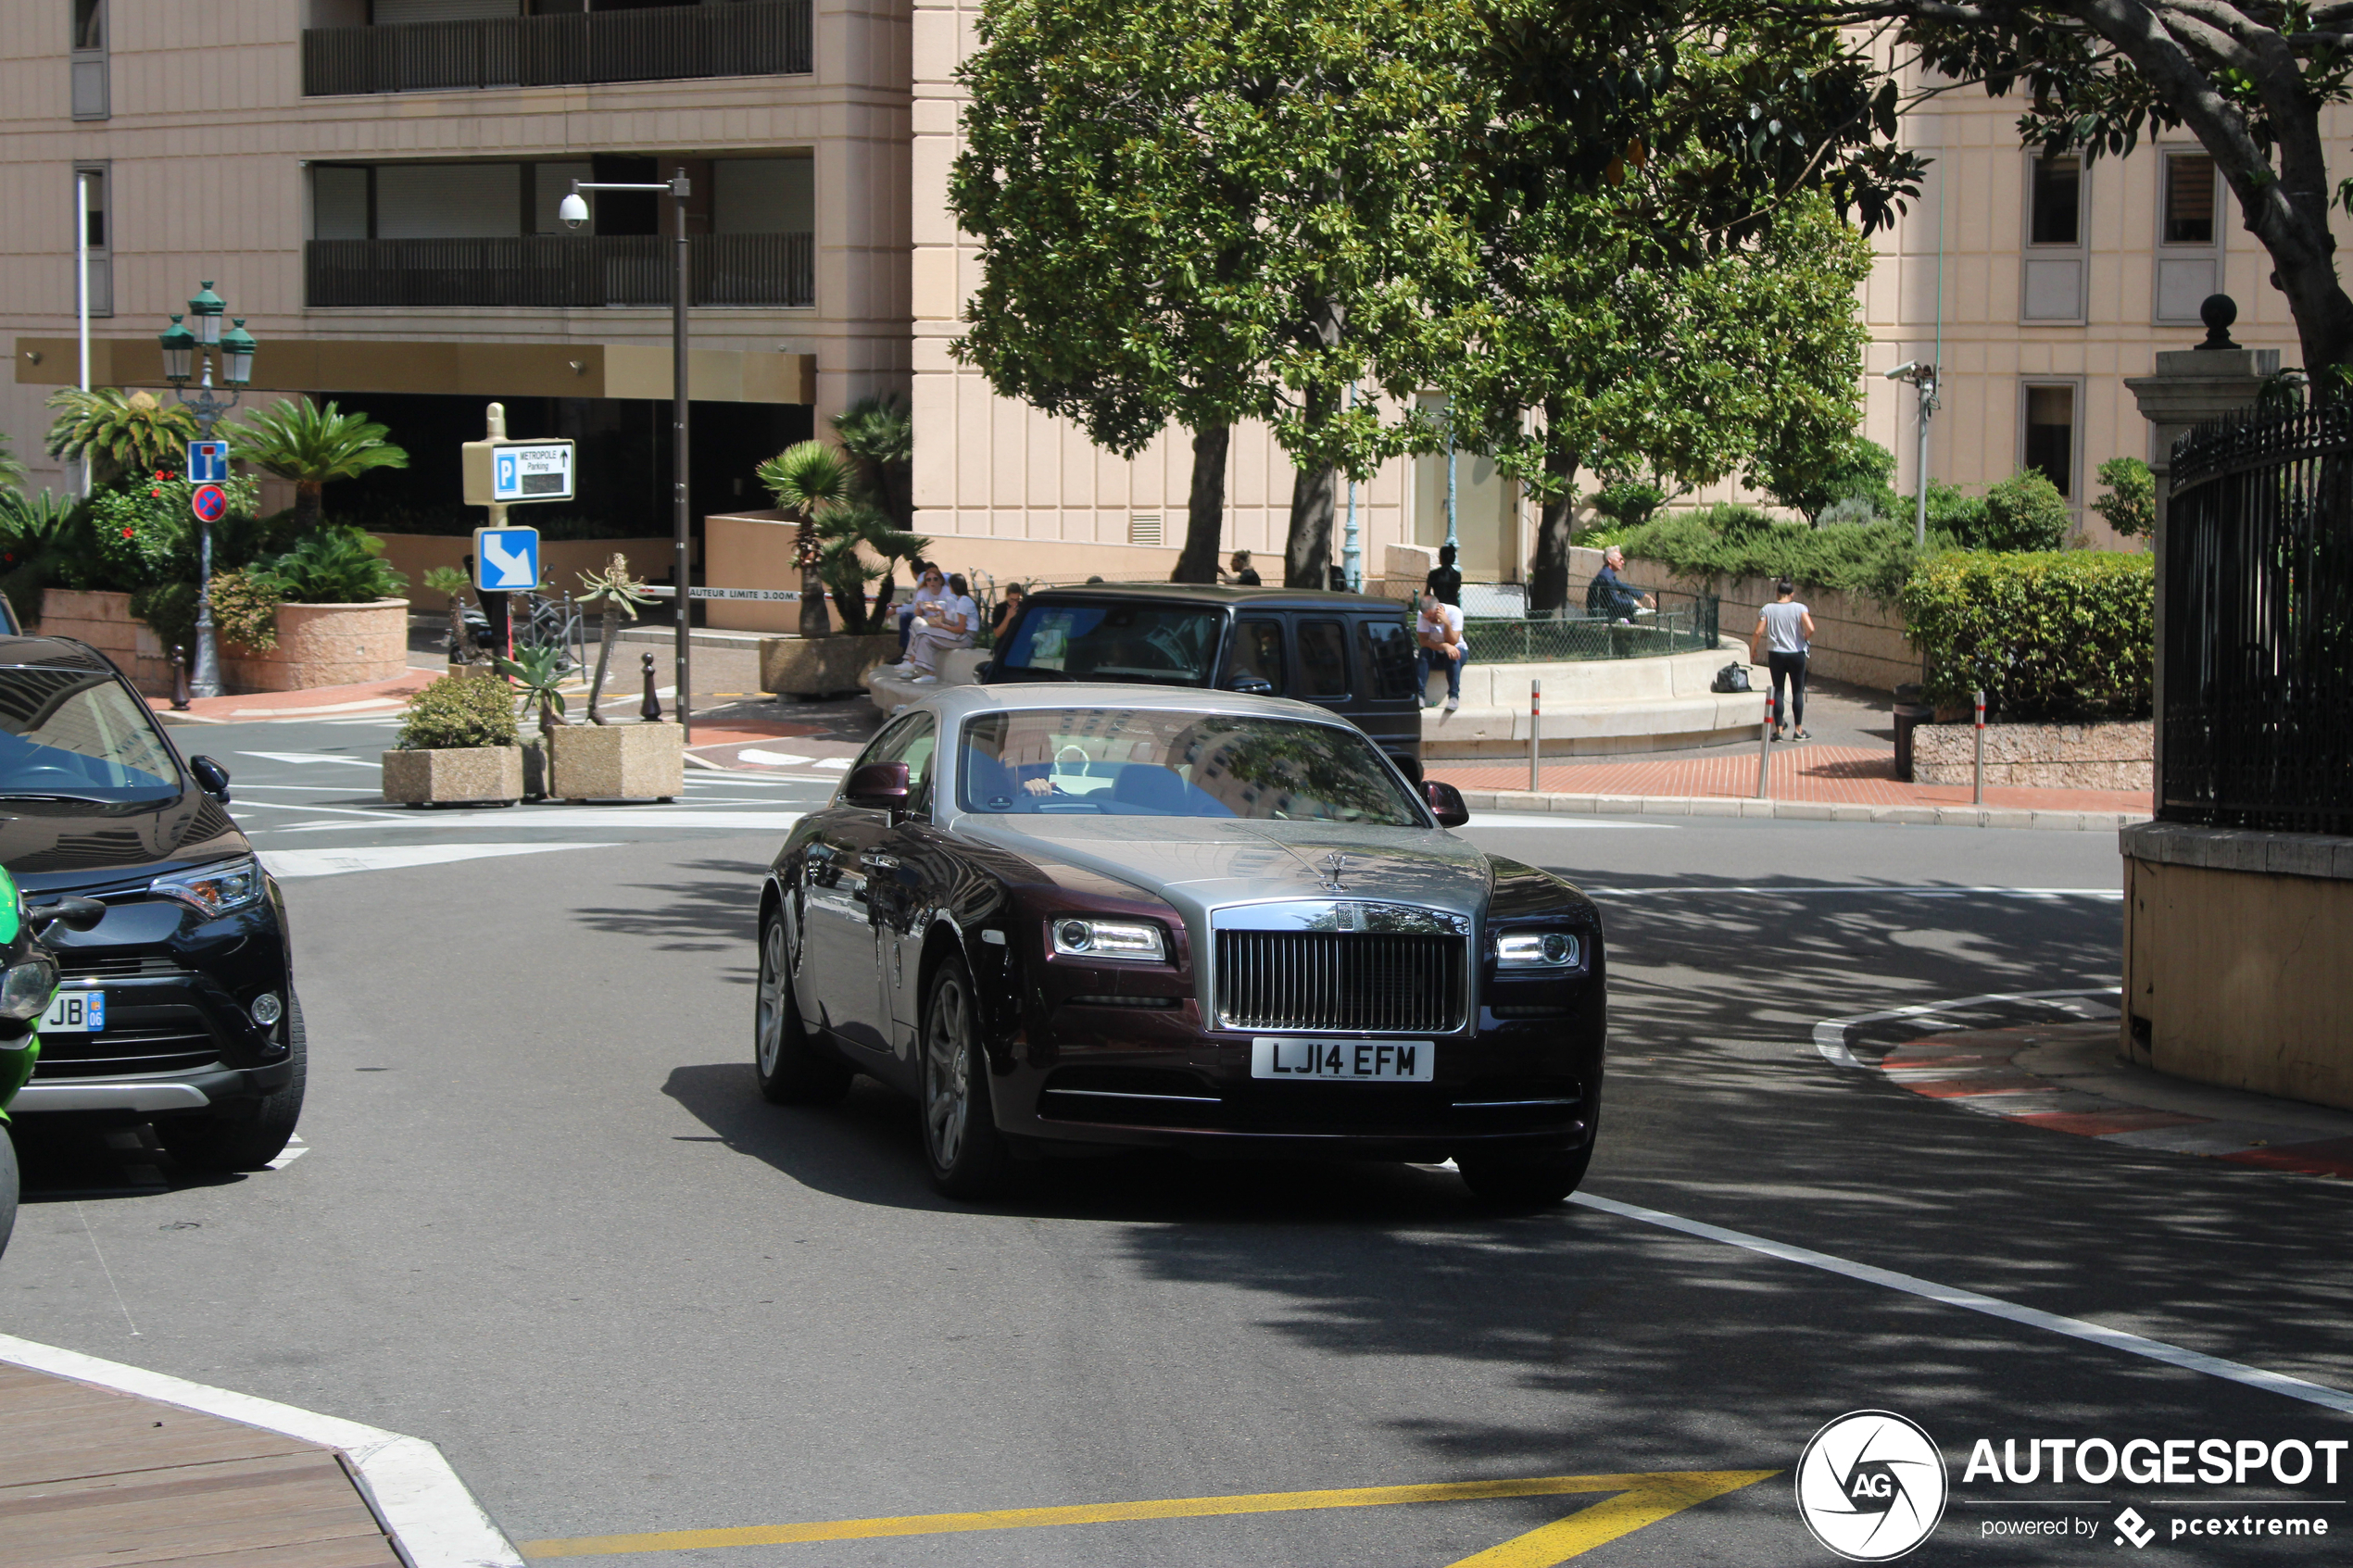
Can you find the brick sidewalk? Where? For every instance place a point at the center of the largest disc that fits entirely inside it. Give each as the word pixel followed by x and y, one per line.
pixel 318 702
pixel 1824 774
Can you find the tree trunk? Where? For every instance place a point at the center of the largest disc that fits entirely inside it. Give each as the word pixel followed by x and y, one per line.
pixel 851 602
pixel 878 613
pixel 1548 581
pixel 814 621
pixel 310 499
pixel 1205 508
pixel 1307 557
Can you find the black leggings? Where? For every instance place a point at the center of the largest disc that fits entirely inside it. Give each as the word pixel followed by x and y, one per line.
pixel 1789 667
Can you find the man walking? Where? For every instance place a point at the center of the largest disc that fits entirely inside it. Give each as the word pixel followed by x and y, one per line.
pixel 1788 627
pixel 1439 635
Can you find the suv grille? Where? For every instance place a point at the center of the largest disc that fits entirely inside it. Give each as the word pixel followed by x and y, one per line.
pixel 1357 981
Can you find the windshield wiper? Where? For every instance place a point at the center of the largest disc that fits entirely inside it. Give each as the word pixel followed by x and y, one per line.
pixel 49 795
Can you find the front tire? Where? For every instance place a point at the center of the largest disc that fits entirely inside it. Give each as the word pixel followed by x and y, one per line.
pixel 1520 1183
pixel 250 1140
pixel 967 1153
pixel 793 1069
pixel 8 1187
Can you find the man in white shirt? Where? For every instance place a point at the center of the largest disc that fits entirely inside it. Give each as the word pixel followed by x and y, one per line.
pixel 1439 635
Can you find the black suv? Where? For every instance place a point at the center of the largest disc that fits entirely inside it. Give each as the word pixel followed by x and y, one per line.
pixel 178 1007
pixel 1347 652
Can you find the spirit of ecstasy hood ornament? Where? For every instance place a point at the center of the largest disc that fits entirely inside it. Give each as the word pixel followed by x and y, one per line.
pixel 1333 865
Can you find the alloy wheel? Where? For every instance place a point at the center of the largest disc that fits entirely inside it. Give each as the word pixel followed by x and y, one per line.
pixel 946 1072
pixel 770 1023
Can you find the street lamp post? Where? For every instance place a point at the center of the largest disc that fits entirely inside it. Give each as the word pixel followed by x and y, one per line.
pixel 183 347
pixel 574 213
pixel 1923 379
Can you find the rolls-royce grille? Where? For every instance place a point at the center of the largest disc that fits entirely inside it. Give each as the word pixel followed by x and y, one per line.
pixel 1357 981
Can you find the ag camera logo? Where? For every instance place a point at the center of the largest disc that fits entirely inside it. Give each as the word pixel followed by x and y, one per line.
pixel 1871 1486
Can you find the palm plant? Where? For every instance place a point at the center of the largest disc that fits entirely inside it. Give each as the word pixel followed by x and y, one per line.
pixel 314 447
pixel 539 673
pixel 12 470
pixel 805 478
pixel 452 585
pixel 615 593
pixel 878 434
pixel 116 430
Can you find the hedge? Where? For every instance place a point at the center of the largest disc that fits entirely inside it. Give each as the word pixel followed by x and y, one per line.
pixel 1873 558
pixel 2053 636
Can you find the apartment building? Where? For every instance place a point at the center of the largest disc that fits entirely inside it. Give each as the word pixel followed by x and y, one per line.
pixel 372 186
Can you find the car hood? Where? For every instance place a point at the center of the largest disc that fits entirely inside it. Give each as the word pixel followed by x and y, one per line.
pixel 1198 864
pixel 53 846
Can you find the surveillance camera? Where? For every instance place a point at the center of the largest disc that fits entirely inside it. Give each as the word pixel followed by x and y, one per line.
pixel 573 210
pixel 1905 369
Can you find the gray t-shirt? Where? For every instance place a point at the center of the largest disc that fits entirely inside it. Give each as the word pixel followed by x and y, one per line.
pixel 1785 627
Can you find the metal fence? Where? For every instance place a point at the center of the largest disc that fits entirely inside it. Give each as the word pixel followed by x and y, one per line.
pixel 668 43
pixel 1681 623
pixel 529 271
pixel 2256 666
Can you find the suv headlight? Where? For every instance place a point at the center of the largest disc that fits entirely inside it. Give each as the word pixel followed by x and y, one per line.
pixel 1076 937
pixel 1537 950
pixel 26 987
pixel 215 890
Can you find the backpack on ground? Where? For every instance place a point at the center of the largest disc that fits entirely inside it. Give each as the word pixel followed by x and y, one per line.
pixel 1733 678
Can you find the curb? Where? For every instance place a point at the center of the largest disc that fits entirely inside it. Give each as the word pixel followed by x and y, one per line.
pixel 417 1497
pixel 1978 1072
pixel 1799 810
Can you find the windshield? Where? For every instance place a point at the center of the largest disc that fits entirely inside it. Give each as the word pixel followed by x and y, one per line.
pixel 1154 645
pixel 77 733
pixel 1136 762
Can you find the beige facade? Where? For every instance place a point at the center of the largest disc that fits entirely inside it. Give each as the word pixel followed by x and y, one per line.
pixel 196 125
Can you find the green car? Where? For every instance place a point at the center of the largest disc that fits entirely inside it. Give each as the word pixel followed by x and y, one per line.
pixel 27 983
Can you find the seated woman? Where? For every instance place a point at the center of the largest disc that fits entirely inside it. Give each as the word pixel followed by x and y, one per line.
pixel 945 618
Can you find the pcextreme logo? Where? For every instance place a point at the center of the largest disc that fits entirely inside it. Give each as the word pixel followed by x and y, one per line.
pixel 1871 1486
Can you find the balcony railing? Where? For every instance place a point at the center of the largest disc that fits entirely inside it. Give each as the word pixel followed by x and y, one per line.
pixel 749 38
pixel 560 270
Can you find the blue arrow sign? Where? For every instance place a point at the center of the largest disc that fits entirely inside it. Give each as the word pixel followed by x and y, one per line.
pixel 208 463
pixel 505 560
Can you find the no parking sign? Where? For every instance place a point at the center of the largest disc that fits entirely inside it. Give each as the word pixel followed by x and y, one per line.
pixel 209 502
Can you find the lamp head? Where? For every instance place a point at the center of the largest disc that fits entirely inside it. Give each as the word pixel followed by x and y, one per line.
pixel 237 354
pixel 178 351
pixel 573 209
pixel 207 307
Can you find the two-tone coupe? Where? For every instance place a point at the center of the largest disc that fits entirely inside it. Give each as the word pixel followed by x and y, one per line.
pixel 1074 916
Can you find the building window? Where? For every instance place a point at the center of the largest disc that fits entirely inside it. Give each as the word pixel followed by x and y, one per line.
pixel 2189 199
pixel 2049 447
pixel 90 184
pixel 88 60
pixel 2057 201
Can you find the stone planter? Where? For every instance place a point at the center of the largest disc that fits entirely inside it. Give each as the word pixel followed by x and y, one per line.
pixel 619 762
pixel 102 620
pixel 324 645
pixel 2111 755
pixel 815 666
pixel 473 775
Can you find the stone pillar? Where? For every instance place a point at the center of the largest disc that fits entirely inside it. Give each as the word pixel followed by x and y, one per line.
pixel 2191 387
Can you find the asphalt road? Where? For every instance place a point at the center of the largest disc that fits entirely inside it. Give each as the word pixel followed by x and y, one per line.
pixel 544 1219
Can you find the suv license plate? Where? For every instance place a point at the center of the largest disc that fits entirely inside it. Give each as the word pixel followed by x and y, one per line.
pixel 76 1012
pixel 1368 1061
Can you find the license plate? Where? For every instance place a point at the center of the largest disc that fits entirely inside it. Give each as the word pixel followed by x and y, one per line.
pixel 76 1012
pixel 1368 1061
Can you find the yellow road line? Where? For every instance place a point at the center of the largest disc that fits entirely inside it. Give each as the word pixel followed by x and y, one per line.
pixel 1647 1497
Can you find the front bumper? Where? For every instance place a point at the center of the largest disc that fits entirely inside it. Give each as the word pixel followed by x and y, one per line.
pixel 144 1098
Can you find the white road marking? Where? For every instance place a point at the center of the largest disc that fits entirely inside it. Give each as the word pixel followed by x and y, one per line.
pixel 836 763
pixel 285 863
pixel 1829 1034
pixel 299 758
pixel 1950 1295
pixel 410 1486
pixel 1549 819
pixel 376 702
pixel 771 759
pixel 2104 895
pixel 295 1148
pixel 600 817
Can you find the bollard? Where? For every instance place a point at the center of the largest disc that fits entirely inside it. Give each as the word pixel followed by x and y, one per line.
pixel 179 681
pixel 1765 747
pixel 649 709
pixel 1535 736
pixel 1977 791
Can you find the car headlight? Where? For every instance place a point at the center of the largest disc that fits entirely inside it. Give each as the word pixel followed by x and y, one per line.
pixel 1085 938
pixel 26 987
pixel 1537 950
pixel 215 890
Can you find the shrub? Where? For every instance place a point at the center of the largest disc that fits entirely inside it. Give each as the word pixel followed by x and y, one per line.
pixel 2024 512
pixel 1873 558
pixel 333 566
pixel 2052 636
pixel 1628 502
pixel 245 609
pixel 457 711
pixel 2130 506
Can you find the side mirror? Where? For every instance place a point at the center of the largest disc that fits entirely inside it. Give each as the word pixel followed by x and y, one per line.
pixel 1445 803
pixel 1251 685
pixel 75 914
pixel 211 777
pixel 878 786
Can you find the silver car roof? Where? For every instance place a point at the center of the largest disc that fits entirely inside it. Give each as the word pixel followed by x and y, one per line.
pixel 955 704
